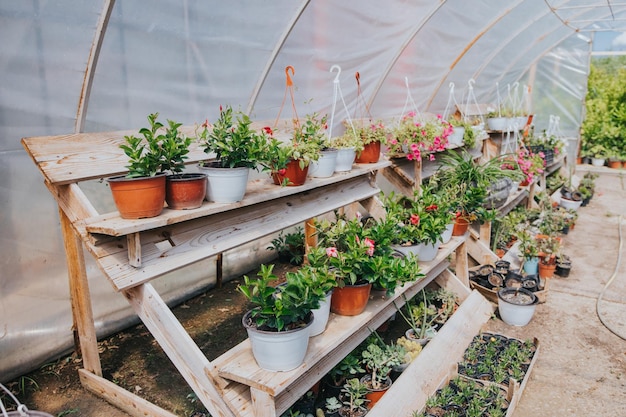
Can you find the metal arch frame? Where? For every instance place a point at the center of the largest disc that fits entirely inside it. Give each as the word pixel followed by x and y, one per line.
pixel 268 65
pixel 92 62
pixel 401 49
pixel 541 55
pixel 468 47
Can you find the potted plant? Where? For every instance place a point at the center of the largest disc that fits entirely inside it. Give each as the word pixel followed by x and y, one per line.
pixel 280 324
pixel 419 223
pixel 529 249
pixel 516 306
pixel 373 135
pixel 379 359
pixel 598 154
pixel 289 246
pixel 305 146
pixel 462 176
pixel 414 137
pixel 549 249
pixel 141 192
pixel 348 368
pixel 354 399
pixel 182 190
pixel 313 132
pixel 347 145
pixel 463 134
pixel 320 282
pixel 237 148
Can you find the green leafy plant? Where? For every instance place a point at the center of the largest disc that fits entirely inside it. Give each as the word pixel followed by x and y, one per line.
pixel 379 359
pixel 349 366
pixel 355 400
pixel 145 155
pixel 415 136
pixel 233 141
pixel 348 140
pixel 372 132
pixel 278 310
pixel 289 246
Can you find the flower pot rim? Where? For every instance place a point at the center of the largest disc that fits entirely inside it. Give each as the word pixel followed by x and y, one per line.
pixel 123 178
pixel 532 296
pixel 187 176
pixel 214 165
pixel 246 321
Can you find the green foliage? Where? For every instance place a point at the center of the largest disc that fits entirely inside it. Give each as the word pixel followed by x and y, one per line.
pixel 605 120
pixel 355 396
pixel 145 155
pixel 379 359
pixel 289 246
pixel 278 309
pixel 233 141
pixel 349 366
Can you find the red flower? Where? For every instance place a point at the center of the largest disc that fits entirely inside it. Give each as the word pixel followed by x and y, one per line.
pixel 268 130
pixel 206 123
pixel 415 219
pixel 432 207
pixel 282 171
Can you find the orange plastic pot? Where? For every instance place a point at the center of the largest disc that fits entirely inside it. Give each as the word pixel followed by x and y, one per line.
pixel 461 224
pixel 370 153
pixel 137 198
pixel 350 300
pixel 546 270
pixel 292 175
pixel 374 395
pixel 615 164
pixel 185 191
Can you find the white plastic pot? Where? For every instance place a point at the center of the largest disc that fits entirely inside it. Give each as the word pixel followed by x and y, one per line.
pixel 278 351
pixel 570 204
pixel 447 234
pixel 345 159
pixel 425 252
pixel 456 138
pixel 225 185
pixel 516 306
pixel 325 166
pixel 321 316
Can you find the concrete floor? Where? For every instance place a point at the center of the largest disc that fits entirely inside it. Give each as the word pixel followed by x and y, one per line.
pixel 581 367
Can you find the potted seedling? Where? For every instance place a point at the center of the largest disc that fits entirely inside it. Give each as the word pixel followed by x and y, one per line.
pixel 141 192
pixel 353 399
pixel 379 360
pixel 280 324
pixel 237 149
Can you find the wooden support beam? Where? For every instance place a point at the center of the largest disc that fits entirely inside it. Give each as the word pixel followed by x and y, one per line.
pixel 82 313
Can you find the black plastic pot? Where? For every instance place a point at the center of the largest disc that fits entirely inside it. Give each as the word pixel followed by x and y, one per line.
pixel 563 269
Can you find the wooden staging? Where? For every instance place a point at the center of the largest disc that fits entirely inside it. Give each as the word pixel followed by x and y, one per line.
pixel 133 252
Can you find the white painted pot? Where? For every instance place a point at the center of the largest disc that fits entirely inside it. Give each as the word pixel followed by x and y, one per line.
pixel 425 252
pixel 598 162
pixel 345 159
pixel 225 185
pixel 456 138
pixel 513 311
pixel 570 204
pixel 278 351
pixel 321 316
pixel 497 123
pixel 447 234
pixel 325 166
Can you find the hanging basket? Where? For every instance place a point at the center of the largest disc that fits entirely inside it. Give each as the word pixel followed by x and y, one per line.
pixel 22 410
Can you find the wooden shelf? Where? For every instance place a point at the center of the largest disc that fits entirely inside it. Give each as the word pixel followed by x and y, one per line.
pixel 343 334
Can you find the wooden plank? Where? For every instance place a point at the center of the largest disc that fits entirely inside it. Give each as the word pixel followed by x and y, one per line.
pixel 424 375
pixel 80 299
pixel 258 191
pixel 178 346
pixel 461 264
pixel 331 346
pixel 119 397
pixel 480 252
pixel 199 239
pixel 134 249
pixel 262 403
pixel 448 280
pixel 79 157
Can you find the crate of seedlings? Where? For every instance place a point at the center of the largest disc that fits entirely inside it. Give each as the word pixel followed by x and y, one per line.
pixel 499 360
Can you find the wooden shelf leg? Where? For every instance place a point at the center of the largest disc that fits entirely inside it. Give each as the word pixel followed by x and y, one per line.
pixel 264 405
pixel 80 297
pixel 461 264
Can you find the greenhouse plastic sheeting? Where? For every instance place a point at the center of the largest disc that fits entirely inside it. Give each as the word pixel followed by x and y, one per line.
pixel 184 59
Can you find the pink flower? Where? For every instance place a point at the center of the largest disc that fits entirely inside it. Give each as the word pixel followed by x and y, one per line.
pixel 431 157
pixel 370 246
pixel 415 219
pixel 332 252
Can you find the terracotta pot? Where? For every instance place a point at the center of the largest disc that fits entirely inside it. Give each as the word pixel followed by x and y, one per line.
pixel 374 395
pixel 350 300
pixel 615 164
pixel 185 191
pixel 546 270
pixel 370 153
pixel 137 198
pixel 293 174
pixel 461 225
